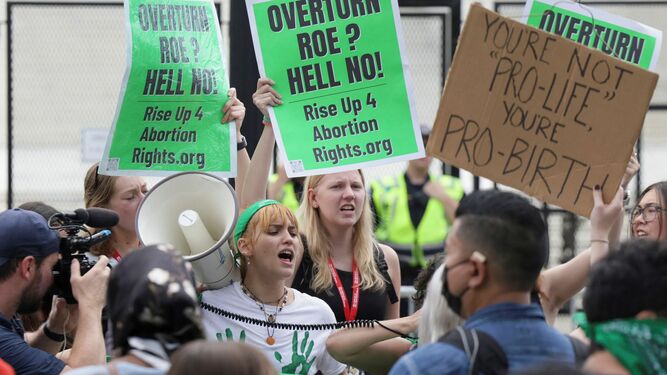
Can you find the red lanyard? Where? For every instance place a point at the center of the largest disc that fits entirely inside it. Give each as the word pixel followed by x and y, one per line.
pixel 350 311
pixel 116 255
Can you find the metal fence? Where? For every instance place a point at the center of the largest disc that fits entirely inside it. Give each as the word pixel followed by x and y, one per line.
pixel 65 64
pixel 65 67
pixel 651 148
pixel 567 231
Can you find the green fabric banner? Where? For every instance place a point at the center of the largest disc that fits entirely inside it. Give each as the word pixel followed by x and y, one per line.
pixel 342 74
pixel 617 36
pixel 175 85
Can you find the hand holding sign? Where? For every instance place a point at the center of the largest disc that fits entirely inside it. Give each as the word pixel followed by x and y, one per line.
pixel 630 171
pixel 605 215
pixel 168 114
pixel 538 112
pixel 233 110
pixel 266 96
pixel 345 85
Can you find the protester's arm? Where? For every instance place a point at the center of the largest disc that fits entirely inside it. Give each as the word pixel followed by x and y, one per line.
pixel 630 171
pixel 276 186
pixel 562 282
pixel 90 291
pixel 373 349
pixel 235 110
pixel 580 335
pixel 436 191
pixel 393 309
pixel 258 171
pixel 61 320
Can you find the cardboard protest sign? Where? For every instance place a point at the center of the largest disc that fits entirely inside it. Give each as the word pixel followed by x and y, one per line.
pixel 169 111
pixel 341 71
pixel 617 36
pixel 538 112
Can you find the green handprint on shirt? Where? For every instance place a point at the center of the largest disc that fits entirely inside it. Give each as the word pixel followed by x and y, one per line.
pixel 230 336
pixel 298 360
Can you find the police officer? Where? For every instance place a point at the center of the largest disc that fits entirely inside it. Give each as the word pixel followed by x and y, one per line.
pixel 414 212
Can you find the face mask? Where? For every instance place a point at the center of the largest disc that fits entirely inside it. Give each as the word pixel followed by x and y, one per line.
pixel 453 301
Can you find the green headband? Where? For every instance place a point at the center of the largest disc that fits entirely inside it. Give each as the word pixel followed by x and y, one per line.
pixel 246 216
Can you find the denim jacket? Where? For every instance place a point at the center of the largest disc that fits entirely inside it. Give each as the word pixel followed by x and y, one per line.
pixel 519 329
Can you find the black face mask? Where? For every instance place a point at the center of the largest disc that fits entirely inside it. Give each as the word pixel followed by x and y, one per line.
pixel 453 301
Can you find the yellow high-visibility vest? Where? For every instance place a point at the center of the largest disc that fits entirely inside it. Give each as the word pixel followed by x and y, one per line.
pixel 395 227
pixel 287 194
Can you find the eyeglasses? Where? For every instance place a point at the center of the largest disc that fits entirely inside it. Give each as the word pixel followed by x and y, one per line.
pixel 649 213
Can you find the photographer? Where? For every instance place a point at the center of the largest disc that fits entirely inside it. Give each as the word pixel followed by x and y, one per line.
pixel 28 252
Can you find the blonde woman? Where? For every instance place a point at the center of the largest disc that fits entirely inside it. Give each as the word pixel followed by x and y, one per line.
pixel 342 263
pixel 122 194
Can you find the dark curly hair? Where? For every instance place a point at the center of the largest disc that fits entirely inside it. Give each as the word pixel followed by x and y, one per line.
pixel 628 281
pixel 424 276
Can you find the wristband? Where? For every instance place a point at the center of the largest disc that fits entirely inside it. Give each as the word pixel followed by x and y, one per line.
pixel 400 334
pixel 266 121
pixel 52 335
pixel 242 144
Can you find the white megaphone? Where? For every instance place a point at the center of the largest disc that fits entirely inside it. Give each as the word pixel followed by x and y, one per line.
pixel 196 213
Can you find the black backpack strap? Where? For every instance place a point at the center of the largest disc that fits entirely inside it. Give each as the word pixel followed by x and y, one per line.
pixel 581 350
pixel 384 270
pixel 483 352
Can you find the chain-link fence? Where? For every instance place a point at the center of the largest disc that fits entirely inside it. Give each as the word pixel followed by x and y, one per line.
pixel 652 150
pixel 566 230
pixel 66 63
pixel 427 33
pixel 65 69
pixel 568 233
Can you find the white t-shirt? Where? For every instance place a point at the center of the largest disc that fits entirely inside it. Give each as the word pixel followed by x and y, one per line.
pixel 294 351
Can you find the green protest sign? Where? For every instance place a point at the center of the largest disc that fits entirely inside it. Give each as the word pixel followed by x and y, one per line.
pixel 340 68
pixel 169 111
pixel 617 36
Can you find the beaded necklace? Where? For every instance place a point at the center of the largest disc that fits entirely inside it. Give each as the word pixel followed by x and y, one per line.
pixel 270 318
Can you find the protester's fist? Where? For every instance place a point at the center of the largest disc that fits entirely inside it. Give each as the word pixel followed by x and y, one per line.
pixel 90 290
pixel 266 96
pixel 234 109
pixel 604 215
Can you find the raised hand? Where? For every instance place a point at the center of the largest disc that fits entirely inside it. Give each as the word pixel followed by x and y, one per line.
pixel 233 110
pixel 630 171
pixel 604 215
pixel 266 96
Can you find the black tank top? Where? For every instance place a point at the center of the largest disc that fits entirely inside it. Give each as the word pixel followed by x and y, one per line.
pixel 372 303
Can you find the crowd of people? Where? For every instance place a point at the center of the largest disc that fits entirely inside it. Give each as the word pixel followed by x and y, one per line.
pixel 322 261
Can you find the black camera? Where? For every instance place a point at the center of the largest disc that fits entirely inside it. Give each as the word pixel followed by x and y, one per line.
pixel 77 240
